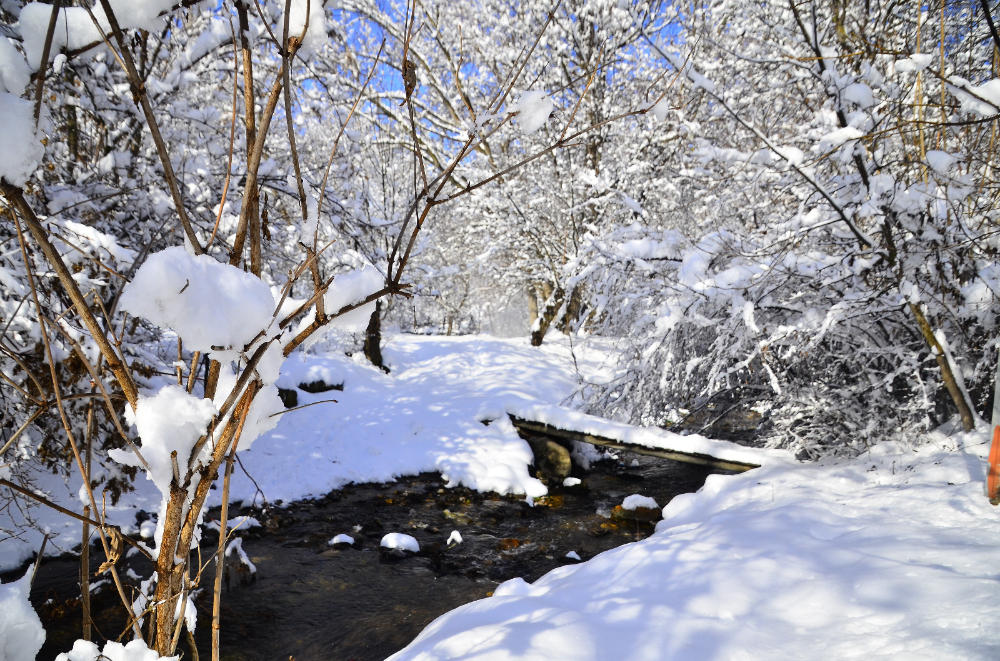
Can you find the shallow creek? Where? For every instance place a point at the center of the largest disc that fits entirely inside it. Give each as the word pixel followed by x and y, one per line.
pixel 313 601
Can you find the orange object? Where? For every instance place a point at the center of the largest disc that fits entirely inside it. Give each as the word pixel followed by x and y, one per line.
pixel 993 476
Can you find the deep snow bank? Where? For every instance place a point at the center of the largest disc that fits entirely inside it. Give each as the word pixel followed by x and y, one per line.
pixel 893 556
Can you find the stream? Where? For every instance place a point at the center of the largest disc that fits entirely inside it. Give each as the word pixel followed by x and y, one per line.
pixel 313 601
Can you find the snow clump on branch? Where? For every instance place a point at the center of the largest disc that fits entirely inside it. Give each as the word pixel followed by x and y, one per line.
pixel 533 109
pixel 21 145
pixel 205 302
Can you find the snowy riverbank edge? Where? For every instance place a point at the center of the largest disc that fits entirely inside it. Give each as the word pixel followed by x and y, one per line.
pixel 894 555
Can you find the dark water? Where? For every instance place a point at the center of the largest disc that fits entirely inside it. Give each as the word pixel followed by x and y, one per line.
pixel 315 602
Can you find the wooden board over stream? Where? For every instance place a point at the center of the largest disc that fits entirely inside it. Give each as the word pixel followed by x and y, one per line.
pixel 567 425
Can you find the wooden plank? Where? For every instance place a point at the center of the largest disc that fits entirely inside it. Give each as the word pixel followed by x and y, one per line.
pixel 533 427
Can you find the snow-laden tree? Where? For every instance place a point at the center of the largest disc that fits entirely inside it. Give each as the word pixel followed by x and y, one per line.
pixel 840 276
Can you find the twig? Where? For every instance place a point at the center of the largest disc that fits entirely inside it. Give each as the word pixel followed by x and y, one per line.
pixel 232 140
pixel 220 557
pixel 72 514
pixel 296 408
pixel 139 93
pixel 38 560
pixel 44 63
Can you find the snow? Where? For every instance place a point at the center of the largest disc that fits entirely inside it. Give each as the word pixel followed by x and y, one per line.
pixel 636 501
pixel 631 203
pixel 698 80
pixel 316 31
pixel 398 540
pixel 860 94
pixel 353 287
pixel 573 555
pixel 266 408
pixel 237 546
pixel 651 437
pixel 22 148
pixel 14 72
pixel 533 109
pixel 205 302
pixel 135 650
pixel 660 109
pixel 454 538
pixel 74 30
pixel 835 139
pixel 915 63
pixel 342 539
pixel 895 555
pixel 986 101
pixel 940 161
pixel 424 416
pixel 170 421
pixel 572 481
pixel 21 632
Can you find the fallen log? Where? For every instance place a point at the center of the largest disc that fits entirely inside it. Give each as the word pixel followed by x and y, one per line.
pixel 542 429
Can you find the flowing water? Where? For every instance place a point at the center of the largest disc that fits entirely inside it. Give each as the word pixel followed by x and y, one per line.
pixel 312 601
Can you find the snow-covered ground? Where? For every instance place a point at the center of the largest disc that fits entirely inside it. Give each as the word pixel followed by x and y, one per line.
pixel 424 416
pixel 895 555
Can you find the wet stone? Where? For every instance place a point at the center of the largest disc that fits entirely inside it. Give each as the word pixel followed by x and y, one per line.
pixel 645 515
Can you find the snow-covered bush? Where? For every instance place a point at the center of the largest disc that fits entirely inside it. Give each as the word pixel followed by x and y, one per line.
pixel 841 285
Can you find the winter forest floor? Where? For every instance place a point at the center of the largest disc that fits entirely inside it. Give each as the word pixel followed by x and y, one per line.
pixel 894 555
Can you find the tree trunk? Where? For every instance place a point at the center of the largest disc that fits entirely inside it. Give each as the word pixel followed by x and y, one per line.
pixel 532 306
pixel 573 309
pixel 553 302
pixel 373 338
pixel 949 376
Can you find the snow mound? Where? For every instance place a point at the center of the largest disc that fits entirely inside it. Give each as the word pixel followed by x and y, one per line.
pixel 573 555
pixel 398 540
pixel 533 109
pixel 454 537
pixel 425 416
pixel 572 481
pixel 21 632
pixel 342 539
pixel 636 501
pixel 205 302
pixel 895 555
pixel 136 650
